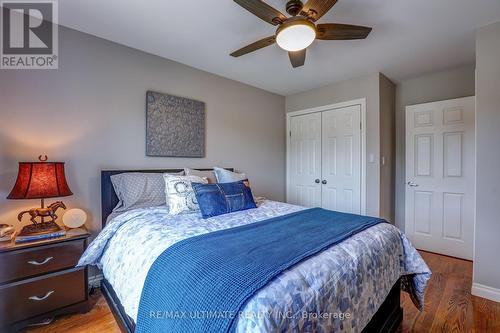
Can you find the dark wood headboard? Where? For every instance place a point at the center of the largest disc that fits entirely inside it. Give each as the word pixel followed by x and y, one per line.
pixel 108 196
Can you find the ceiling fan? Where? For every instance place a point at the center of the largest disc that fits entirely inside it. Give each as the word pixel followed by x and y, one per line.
pixel 296 33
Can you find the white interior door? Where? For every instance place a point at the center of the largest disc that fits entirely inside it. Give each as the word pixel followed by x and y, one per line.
pixel 341 159
pixel 305 160
pixel 440 176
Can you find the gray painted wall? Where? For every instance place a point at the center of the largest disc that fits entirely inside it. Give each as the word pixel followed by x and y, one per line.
pixel 387 147
pixel 91 114
pixel 453 83
pixel 363 87
pixel 487 234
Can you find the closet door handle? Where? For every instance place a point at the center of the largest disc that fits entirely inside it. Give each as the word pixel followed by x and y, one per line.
pixel 324 182
pixel 316 181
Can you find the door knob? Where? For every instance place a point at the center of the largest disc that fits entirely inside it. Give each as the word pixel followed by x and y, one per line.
pixel 412 184
pixel 324 182
pixel 316 181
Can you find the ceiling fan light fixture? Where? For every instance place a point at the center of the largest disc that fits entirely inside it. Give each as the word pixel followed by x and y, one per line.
pixel 295 34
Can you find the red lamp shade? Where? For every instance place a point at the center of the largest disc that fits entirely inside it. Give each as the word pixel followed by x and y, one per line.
pixel 38 180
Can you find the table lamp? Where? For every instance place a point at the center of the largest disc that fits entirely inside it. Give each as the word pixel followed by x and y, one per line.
pixel 40 180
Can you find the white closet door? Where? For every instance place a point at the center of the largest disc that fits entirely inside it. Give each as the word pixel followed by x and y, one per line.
pixel 305 160
pixel 440 176
pixel 341 159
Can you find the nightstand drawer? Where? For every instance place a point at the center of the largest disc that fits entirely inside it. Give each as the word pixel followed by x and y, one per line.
pixel 29 262
pixel 25 299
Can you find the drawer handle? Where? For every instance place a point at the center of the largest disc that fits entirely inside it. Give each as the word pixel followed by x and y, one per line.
pixel 36 298
pixel 38 263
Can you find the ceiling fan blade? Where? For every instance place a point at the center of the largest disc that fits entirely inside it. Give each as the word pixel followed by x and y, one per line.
pixel 335 31
pixel 314 9
pixel 254 46
pixel 297 58
pixel 262 10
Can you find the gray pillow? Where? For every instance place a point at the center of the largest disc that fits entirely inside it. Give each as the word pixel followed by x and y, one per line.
pixel 139 190
pixel 226 176
pixel 210 175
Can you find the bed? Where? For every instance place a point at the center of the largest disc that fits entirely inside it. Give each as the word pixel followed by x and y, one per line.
pixel 380 260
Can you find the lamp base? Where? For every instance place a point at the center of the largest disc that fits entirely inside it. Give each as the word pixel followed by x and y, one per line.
pixel 40 229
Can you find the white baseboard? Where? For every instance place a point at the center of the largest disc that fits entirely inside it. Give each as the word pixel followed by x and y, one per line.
pixel 95 280
pixel 493 294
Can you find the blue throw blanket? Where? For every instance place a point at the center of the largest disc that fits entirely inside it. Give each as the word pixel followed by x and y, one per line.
pixel 201 283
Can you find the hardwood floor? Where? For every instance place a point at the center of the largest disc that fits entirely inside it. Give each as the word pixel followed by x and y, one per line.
pixel 98 320
pixel 449 306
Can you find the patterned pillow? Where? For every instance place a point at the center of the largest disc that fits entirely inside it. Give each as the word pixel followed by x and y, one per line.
pixel 179 193
pixel 223 198
pixel 138 190
pixel 210 175
pixel 226 176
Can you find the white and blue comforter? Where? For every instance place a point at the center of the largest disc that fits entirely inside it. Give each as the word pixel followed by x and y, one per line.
pixel 339 289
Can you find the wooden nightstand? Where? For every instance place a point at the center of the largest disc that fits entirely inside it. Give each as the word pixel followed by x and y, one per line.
pixel 38 280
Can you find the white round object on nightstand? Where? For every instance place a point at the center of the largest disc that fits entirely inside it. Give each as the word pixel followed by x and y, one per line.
pixel 74 218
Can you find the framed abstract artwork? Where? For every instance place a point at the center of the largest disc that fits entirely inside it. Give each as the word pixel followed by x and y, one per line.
pixel 175 126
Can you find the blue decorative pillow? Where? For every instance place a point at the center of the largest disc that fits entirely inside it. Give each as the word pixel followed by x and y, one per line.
pixel 218 199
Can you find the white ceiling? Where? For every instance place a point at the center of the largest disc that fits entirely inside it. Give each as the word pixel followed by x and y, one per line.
pixel 409 37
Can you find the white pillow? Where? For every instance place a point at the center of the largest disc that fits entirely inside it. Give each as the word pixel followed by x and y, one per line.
pixel 226 176
pixel 209 174
pixel 180 195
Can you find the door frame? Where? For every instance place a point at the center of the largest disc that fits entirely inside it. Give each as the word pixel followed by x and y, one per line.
pixel 362 103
